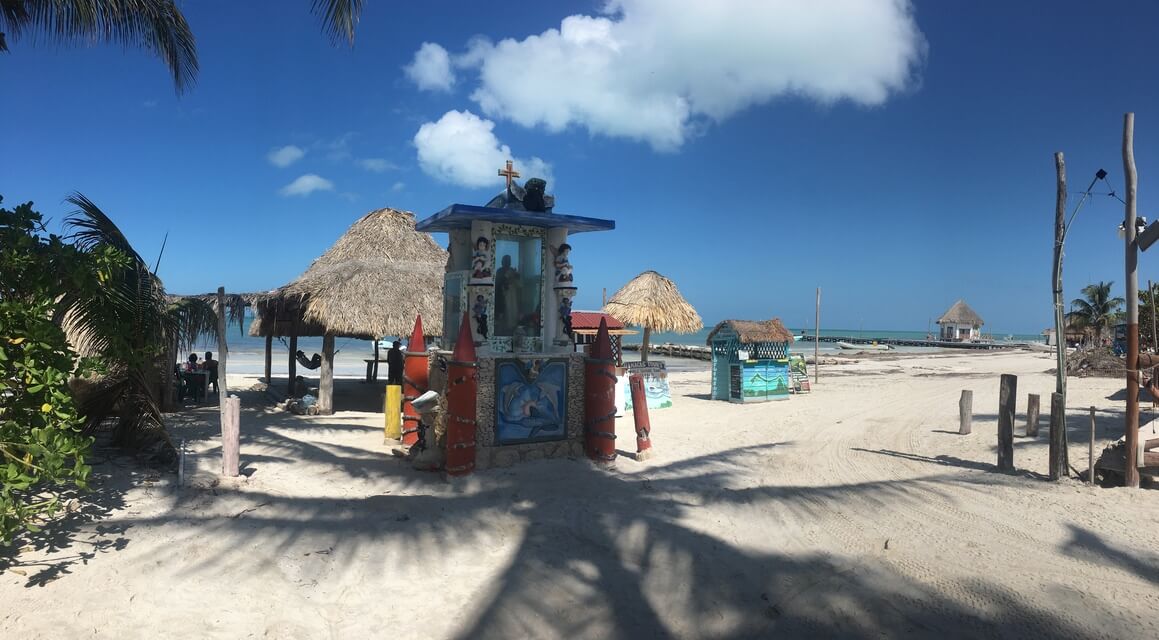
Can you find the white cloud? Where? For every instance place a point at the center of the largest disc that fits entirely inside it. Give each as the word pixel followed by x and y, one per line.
pixel 462 149
pixel 398 186
pixel 306 184
pixel 285 156
pixel 657 70
pixel 431 68
pixel 377 165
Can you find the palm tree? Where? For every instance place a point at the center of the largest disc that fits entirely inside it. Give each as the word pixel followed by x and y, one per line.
pixel 155 25
pixel 132 326
pixel 1096 309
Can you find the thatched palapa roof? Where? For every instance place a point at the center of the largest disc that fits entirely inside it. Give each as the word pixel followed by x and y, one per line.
pixel 961 313
pixel 373 282
pixel 651 300
pixel 754 331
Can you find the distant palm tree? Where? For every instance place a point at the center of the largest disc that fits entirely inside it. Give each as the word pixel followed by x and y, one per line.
pixel 155 25
pixel 1096 309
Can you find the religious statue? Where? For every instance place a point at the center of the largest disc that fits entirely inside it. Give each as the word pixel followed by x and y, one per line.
pixel 507 292
pixel 563 275
pixel 565 315
pixel 534 191
pixel 481 260
pixel 479 310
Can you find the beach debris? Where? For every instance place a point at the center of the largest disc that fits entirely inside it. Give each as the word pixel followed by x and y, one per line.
pixel 887 544
pixel 1099 362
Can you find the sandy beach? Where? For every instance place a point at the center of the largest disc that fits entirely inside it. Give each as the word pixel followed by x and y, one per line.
pixel 853 511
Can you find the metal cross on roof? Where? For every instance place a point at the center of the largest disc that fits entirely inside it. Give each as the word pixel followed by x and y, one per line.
pixel 509 173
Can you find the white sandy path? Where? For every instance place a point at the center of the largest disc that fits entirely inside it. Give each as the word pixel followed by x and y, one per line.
pixel 752 520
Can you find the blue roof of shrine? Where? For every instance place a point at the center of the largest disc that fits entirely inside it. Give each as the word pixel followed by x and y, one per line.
pixel 459 216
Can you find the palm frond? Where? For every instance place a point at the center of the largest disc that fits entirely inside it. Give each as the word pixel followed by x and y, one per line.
pixel 154 25
pixel 339 18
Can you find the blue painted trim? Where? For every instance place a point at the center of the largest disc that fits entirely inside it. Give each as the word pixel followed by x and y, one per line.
pixel 459 216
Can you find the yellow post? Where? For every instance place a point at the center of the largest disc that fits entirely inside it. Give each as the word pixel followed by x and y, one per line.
pixel 392 407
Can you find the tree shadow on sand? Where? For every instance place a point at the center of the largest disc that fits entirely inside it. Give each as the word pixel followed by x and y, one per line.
pixel 628 556
pixel 624 558
pixel 74 537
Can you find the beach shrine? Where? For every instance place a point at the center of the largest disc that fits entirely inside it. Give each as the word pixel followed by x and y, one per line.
pixel 514 383
pixel 750 360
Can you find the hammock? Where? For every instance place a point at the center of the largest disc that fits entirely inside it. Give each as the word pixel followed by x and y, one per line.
pixel 309 363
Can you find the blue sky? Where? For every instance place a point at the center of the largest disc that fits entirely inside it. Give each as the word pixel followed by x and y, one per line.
pixel 898 156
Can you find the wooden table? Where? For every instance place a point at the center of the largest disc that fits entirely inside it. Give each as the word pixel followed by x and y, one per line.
pixel 371 374
pixel 198 382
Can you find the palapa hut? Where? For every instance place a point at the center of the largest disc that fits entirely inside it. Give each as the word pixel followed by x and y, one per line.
pixel 960 323
pixel 652 301
pixel 373 282
pixel 750 360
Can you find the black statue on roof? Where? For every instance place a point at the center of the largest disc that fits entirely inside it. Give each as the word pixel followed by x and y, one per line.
pixel 532 196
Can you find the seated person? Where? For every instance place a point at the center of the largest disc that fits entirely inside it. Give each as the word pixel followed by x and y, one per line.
pixel 191 364
pixel 210 365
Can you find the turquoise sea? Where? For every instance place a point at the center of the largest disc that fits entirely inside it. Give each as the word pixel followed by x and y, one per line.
pixel 701 337
pixel 246 344
pixel 246 352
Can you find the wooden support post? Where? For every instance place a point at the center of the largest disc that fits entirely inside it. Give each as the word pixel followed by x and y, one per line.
pixel 269 357
pixel 169 399
pixel 640 417
pixel 392 408
pixel 1032 410
pixel 1058 458
pixel 645 346
pixel 965 412
pixel 222 350
pixel 326 377
pixel 230 435
pixel 1131 427
pixel 1091 452
pixel 293 366
pixel 1007 395
pixel 374 372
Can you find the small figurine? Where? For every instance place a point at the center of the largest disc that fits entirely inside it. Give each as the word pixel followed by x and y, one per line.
pixel 562 263
pixel 565 315
pixel 481 259
pixel 479 310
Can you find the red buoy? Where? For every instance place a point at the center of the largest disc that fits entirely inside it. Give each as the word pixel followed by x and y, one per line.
pixel 640 415
pixel 462 387
pixel 600 398
pixel 415 381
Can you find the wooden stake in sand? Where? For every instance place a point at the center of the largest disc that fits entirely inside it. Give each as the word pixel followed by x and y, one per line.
pixel 1032 415
pixel 1007 394
pixel 230 436
pixel 1091 452
pixel 965 412
pixel 1058 458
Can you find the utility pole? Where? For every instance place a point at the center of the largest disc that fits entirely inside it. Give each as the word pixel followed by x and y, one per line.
pixel 1132 259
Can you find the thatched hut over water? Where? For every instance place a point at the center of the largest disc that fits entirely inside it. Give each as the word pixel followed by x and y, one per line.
pixel 371 283
pixel 653 302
